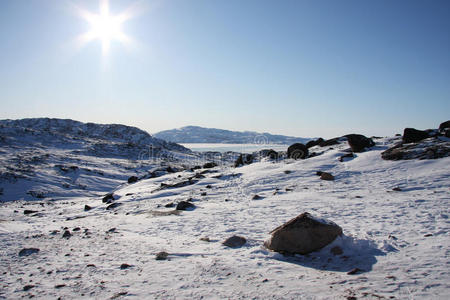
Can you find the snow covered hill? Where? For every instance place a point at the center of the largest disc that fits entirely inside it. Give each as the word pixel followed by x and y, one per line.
pixel 196 134
pixel 394 215
pixel 42 158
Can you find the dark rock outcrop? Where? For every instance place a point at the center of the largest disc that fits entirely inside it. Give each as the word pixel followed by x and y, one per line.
pixel 28 251
pixel 314 143
pixel 125 266
pixel 243 159
pixel 257 197
pixel 303 234
pixel 443 126
pixel 161 255
pixel 297 151
pixel 133 179
pixel 432 148
pixel 326 176
pixel 67 234
pixel 330 142
pixel 358 142
pixel 108 198
pixel 411 135
pixel 270 153
pixel 209 165
pixel 185 205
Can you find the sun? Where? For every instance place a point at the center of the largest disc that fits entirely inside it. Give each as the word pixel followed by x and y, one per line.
pixel 104 27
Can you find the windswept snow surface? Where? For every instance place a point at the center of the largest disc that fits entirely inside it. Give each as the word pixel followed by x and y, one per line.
pixel 397 240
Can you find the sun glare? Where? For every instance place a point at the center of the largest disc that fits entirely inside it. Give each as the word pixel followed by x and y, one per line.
pixel 105 27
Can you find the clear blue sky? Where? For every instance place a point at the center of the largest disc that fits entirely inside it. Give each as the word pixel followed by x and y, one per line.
pixel 303 68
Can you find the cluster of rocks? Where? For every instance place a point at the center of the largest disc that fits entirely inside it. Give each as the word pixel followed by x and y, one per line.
pixel 357 143
pixel 421 144
pixel 301 235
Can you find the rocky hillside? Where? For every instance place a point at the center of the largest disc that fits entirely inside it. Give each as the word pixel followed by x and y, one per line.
pixel 46 158
pixel 196 134
pixel 112 140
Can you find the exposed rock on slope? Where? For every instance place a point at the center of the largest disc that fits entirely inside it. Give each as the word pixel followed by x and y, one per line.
pixel 412 135
pixel 431 148
pixel 358 142
pixel 297 151
pixel 421 144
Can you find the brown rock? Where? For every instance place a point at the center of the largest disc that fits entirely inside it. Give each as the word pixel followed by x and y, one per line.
pixel 161 255
pixel 359 142
pixel 235 241
pixel 326 176
pixel 303 234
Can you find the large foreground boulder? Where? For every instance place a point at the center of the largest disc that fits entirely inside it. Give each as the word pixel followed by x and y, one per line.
pixel 303 234
pixel 359 142
pixel 297 151
pixel 411 135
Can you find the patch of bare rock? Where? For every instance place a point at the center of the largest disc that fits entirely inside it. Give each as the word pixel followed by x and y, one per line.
pixel 421 144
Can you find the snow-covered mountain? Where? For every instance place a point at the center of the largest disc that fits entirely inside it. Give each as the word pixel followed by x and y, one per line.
pixel 48 158
pixel 196 134
pixel 111 140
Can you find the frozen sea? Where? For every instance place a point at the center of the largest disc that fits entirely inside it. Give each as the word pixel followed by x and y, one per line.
pixel 241 148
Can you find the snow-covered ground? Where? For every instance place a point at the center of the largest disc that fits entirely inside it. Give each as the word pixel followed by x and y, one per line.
pixel 399 240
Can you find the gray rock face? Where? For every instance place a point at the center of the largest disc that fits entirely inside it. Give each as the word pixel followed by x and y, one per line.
pixel 28 251
pixel 302 235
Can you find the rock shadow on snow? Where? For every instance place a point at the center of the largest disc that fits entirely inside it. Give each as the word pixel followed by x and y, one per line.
pixel 356 254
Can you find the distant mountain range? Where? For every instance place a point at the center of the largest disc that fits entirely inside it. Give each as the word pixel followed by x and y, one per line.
pixel 196 134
